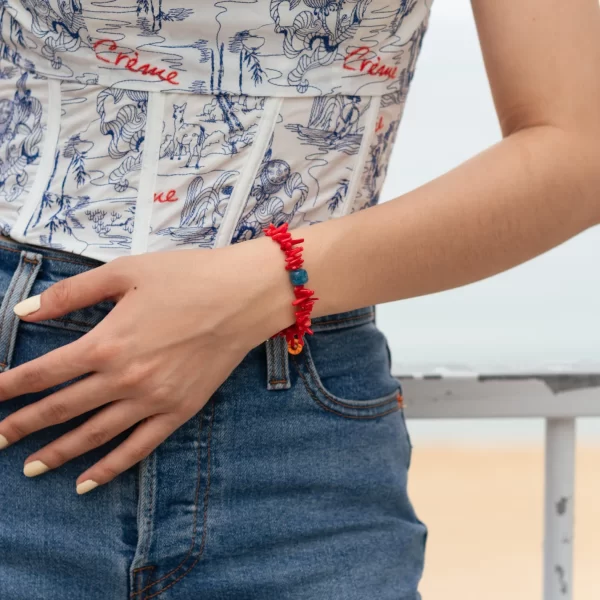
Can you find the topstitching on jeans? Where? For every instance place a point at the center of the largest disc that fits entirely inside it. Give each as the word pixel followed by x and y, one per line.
pixel 195 526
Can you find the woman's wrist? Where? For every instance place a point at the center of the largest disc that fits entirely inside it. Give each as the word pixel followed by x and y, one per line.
pixel 270 297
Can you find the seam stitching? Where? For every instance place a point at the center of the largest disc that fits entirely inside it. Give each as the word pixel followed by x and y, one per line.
pixel 368 317
pixel 61 320
pixel 283 354
pixel 32 273
pixel 205 515
pixel 205 512
pixel 7 301
pixel 241 191
pixel 269 349
pixel 44 167
pixel 49 257
pixel 315 378
pixel 368 133
pixel 150 161
pixel 346 416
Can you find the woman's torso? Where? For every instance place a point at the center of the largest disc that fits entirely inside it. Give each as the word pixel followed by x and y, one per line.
pixel 141 126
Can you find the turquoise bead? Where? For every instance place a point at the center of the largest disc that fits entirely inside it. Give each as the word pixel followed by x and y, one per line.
pixel 299 276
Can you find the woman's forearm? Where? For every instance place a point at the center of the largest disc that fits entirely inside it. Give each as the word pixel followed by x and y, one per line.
pixel 530 192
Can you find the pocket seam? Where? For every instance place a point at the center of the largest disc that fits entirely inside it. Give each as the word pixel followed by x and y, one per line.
pixel 375 403
pixel 364 409
pixel 342 414
pixel 63 325
pixel 346 403
pixel 408 441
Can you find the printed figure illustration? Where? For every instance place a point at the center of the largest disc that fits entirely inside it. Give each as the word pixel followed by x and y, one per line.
pixel 217 64
pixel 313 31
pixel 295 44
pixel 20 137
pixel 274 187
pixel 226 125
pixel 202 211
pixel 184 139
pixel 126 131
pixel 333 124
pixel 223 127
pixel 376 166
pixel 62 31
pixel 106 155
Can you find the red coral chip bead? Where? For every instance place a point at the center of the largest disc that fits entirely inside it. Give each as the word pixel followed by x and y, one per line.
pixel 305 300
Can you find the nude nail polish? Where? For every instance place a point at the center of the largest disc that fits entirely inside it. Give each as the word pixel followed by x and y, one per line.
pixel 3 442
pixel 27 306
pixel 34 468
pixel 86 486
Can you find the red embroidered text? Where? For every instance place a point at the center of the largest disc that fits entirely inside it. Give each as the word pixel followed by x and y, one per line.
pixel 130 62
pixel 170 197
pixel 355 61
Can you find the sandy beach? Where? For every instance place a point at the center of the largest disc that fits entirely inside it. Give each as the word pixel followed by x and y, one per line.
pixel 484 511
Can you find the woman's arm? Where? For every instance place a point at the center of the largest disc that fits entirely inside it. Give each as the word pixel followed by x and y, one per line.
pixel 533 190
pixel 185 319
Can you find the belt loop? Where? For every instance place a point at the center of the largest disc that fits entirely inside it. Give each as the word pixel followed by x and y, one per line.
pixel 278 366
pixel 18 289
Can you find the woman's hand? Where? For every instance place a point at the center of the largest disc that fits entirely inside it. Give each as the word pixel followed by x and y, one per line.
pixel 183 321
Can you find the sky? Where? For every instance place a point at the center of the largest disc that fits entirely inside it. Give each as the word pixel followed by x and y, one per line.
pixel 542 315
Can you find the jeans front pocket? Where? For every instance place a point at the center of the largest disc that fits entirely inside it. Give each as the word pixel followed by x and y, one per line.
pixel 346 369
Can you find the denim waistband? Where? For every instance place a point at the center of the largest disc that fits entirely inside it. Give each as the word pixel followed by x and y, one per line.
pixel 345 319
pixel 60 263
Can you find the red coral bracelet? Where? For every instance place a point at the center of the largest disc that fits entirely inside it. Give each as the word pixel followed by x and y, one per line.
pixel 304 302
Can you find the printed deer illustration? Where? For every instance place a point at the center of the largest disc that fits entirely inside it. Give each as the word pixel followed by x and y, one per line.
pixel 185 139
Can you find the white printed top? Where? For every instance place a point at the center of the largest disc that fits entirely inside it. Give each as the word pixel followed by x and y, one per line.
pixel 146 125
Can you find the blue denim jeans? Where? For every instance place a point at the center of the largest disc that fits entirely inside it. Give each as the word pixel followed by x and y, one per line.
pixel 291 482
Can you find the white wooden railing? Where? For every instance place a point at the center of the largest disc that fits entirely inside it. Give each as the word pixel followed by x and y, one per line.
pixel 559 399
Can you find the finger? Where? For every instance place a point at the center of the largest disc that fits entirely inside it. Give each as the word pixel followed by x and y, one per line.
pixel 55 367
pixel 142 441
pixel 71 401
pixel 87 288
pixel 96 431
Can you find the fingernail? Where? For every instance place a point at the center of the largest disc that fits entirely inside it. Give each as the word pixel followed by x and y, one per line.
pixel 27 306
pixel 34 468
pixel 86 486
pixel 3 442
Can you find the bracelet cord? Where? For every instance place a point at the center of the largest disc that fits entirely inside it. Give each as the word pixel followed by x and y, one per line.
pixel 304 302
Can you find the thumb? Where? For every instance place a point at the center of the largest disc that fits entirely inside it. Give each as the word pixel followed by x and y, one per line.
pixel 85 289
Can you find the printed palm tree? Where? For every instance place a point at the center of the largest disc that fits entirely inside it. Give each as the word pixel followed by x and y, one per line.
pixel 248 46
pixel 339 195
pixel 15 36
pixel 154 7
pixel 63 218
pixel 76 149
pixel 15 31
pixel 406 7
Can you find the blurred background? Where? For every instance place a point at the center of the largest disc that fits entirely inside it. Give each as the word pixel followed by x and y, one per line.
pixel 478 484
